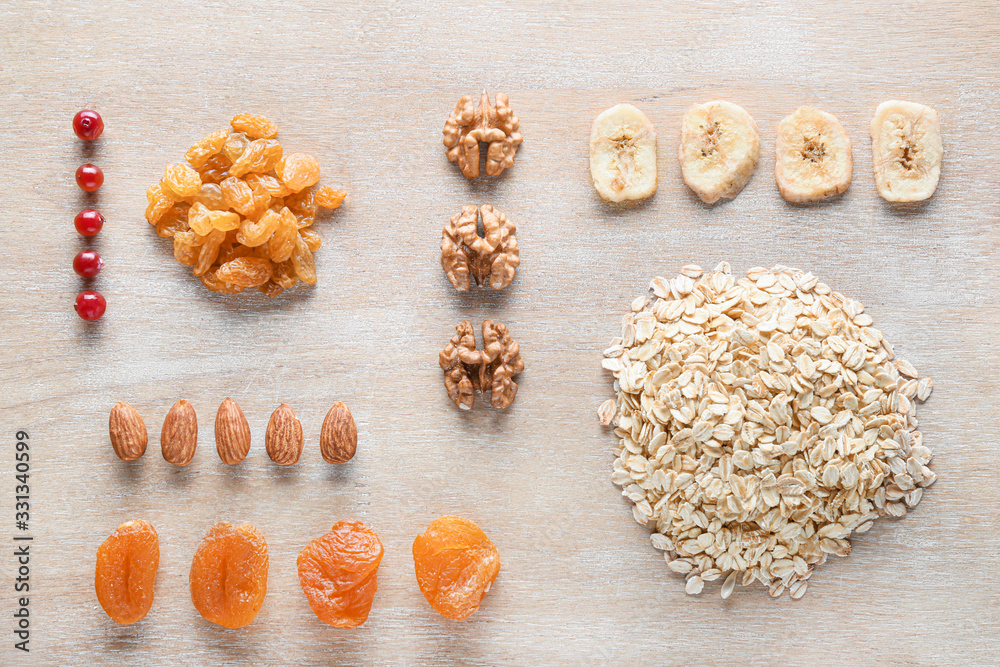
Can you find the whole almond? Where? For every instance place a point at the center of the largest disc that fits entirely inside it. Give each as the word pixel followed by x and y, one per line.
pixel 232 432
pixel 179 436
pixel 128 432
pixel 338 440
pixel 284 436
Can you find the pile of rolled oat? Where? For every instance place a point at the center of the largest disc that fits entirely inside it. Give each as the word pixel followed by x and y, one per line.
pixel 762 422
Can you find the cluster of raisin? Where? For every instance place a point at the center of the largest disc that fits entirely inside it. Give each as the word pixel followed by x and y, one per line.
pixel 90 304
pixel 240 212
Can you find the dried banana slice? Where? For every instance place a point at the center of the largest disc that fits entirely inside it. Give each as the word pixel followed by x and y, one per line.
pixel 906 150
pixel 623 154
pixel 813 158
pixel 719 149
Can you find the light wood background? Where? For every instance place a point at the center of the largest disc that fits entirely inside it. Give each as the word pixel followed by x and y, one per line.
pixel 366 87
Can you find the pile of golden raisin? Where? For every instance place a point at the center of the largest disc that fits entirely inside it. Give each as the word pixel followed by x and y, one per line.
pixel 240 213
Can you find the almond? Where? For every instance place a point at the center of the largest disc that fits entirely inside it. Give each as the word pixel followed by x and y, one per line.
pixel 338 440
pixel 179 436
pixel 232 432
pixel 284 436
pixel 128 432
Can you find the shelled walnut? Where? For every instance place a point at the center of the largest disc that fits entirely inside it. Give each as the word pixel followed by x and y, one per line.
pixel 493 256
pixel 492 124
pixel 492 369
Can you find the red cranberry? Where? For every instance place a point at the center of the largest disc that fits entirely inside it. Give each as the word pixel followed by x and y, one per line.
pixel 90 305
pixel 88 125
pixel 88 263
pixel 88 222
pixel 89 177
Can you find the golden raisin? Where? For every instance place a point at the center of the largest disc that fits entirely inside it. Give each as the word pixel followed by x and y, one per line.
pixel 312 239
pixel 302 204
pixel 176 220
pixel 209 251
pixel 245 271
pixel 303 262
pixel 210 281
pixel 181 180
pixel 207 148
pixel 229 575
pixel 282 244
pixel 339 573
pixel 126 569
pixel 186 247
pixel 159 204
pixel 283 273
pixel 297 171
pixel 215 170
pixel 455 564
pixel 274 187
pixel 236 144
pixel 254 126
pixel 258 233
pixel 238 196
pixel 260 157
pixel 327 197
pixel 271 288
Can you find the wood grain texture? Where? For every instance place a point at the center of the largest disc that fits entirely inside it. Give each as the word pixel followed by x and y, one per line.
pixel 366 87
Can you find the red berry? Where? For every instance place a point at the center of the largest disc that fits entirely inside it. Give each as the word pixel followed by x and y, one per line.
pixel 88 222
pixel 88 263
pixel 88 125
pixel 89 177
pixel 90 305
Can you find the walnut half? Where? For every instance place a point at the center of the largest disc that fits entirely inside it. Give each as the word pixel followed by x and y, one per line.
pixel 468 370
pixel 494 125
pixel 493 256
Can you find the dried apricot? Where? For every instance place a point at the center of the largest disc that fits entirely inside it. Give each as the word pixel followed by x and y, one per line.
pixel 297 171
pixel 254 126
pixel 229 575
pixel 126 570
pixel 339 573
pixel 327 197
pixel 456 565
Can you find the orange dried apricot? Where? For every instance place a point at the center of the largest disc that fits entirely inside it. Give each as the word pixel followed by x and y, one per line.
pixel 456 565
pixel 339 573
pixel 229 575
pixel 126 570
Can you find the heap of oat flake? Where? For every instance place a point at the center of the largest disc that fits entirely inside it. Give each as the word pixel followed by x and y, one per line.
pixel 762 422
pixel 240 212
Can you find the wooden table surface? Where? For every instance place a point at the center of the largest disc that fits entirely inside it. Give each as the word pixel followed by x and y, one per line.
pixel 366 87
